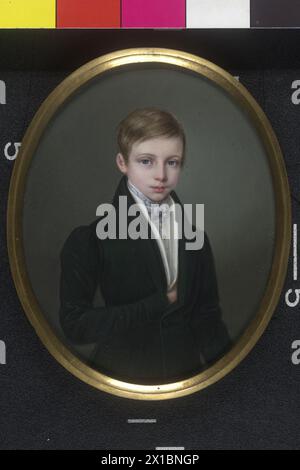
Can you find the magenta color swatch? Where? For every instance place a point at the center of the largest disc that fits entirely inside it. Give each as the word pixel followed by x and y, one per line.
pixel 153 14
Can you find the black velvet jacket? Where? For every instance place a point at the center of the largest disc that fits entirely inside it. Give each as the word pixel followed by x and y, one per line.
pixel 140 337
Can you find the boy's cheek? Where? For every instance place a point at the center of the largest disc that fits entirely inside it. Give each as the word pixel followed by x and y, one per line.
pixel 177 178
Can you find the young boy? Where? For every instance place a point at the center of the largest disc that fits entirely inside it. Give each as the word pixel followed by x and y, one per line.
pixel 161 321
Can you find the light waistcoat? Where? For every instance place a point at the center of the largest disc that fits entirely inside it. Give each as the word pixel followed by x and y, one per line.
pixel 162 220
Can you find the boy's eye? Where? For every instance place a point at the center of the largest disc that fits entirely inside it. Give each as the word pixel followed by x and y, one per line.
pixel 173 162
pixel 145 161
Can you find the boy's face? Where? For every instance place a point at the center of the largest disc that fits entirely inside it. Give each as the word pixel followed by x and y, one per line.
pixel 154 166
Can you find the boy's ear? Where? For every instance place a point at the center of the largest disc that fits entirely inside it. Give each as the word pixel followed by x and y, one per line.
pixel 121 163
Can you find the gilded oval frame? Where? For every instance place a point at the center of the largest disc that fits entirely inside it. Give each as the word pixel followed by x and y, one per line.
pixel 276 279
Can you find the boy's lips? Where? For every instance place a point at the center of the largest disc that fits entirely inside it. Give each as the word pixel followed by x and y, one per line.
pixel 158 189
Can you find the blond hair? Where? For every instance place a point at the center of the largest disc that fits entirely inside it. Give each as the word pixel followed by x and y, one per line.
pixel 148 123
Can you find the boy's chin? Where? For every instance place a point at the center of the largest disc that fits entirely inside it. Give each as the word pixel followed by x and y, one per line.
pixel 158 197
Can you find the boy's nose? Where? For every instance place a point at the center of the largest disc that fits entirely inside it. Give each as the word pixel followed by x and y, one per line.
pixel 160 174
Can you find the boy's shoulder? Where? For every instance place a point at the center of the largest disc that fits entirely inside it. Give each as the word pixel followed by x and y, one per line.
pixel 81 237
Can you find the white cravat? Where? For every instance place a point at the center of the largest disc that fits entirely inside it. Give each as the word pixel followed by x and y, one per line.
pixel 161 218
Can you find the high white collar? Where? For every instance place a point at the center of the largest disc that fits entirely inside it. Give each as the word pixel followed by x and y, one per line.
pixel 146 200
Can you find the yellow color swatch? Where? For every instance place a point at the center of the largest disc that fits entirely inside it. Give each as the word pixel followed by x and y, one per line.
pixel 27 13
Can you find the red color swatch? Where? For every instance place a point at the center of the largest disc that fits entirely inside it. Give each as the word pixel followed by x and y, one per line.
pixel 88 13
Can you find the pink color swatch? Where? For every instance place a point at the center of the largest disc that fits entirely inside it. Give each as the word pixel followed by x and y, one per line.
pixel 153 14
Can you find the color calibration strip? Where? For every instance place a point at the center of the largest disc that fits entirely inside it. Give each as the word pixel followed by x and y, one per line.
pixel 169 14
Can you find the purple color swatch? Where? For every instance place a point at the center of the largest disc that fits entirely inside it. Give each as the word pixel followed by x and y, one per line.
pixel 153 14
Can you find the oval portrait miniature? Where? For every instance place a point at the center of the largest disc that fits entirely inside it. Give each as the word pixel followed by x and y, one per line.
pixel 148 223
